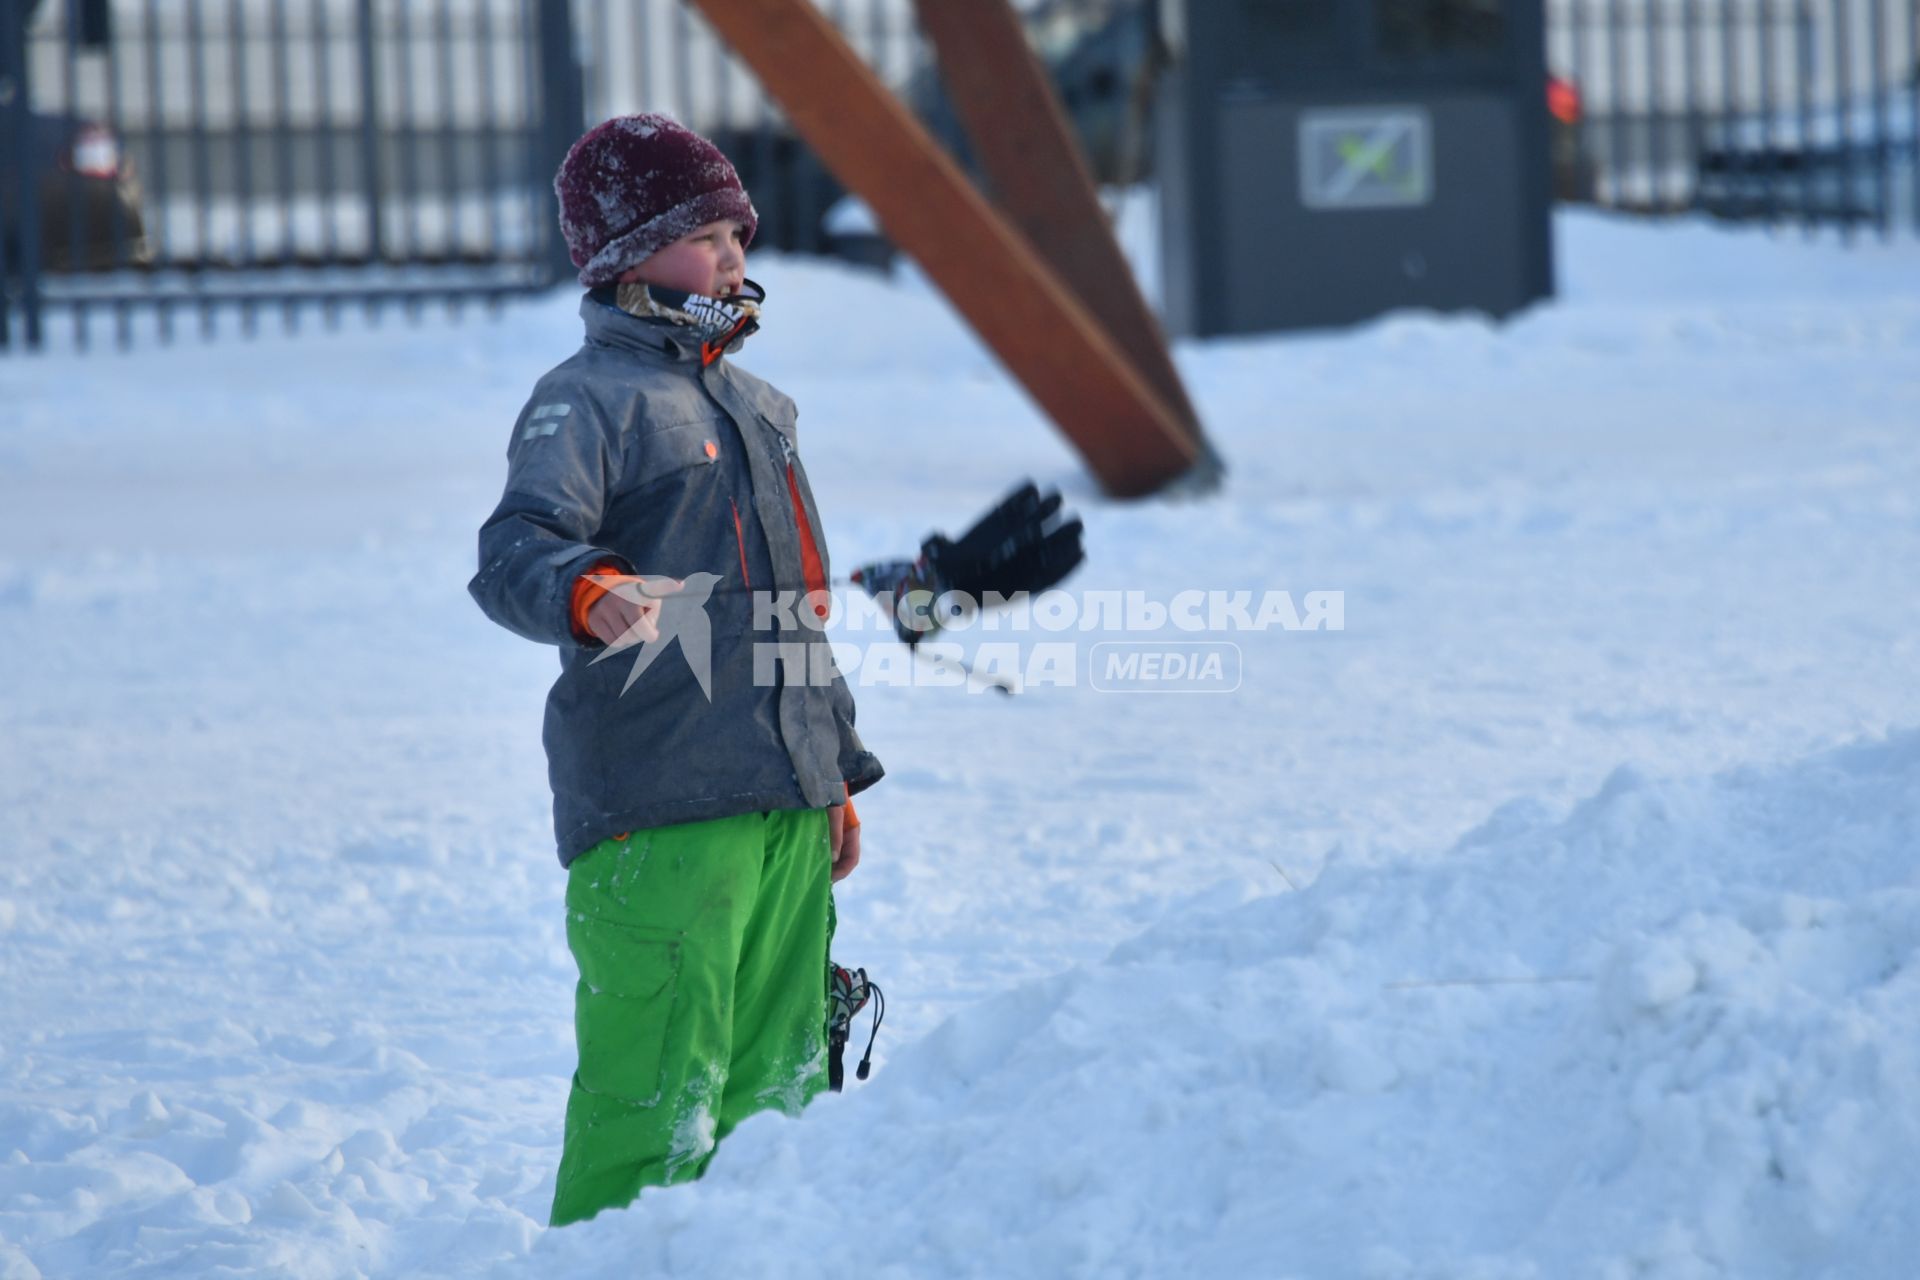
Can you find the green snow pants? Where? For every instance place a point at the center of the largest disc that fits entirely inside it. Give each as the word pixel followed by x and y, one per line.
pixel 702 997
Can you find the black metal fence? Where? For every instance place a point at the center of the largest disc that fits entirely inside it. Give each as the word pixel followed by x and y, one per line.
pixel 243 157
pixel 1787 111
pixel 247 157
pixel 252 155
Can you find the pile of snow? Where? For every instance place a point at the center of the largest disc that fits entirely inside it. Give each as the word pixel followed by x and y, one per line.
pixel 1666 1034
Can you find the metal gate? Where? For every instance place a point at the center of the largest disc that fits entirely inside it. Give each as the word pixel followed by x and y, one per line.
pixel 245 156
pixel 207 158
pixel 1785 111
pixel 215 158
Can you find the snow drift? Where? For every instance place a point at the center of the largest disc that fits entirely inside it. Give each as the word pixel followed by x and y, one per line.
pixel 1667 1034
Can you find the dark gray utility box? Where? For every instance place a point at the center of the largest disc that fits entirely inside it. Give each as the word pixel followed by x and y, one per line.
pixel 1323 161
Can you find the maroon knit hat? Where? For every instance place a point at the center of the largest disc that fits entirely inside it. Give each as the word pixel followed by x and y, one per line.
pixel 633 185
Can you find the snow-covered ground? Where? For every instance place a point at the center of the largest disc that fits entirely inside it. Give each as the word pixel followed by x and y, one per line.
pixel 1557 917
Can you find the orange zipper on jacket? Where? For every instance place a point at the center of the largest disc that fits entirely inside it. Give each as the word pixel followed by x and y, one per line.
pixel 740 541
pixel 812 568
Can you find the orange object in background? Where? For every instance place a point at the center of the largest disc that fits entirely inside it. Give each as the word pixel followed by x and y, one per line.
pixel 1563 100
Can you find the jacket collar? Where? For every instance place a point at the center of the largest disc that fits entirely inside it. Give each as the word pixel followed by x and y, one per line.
pixel 609 326
pixel 709 327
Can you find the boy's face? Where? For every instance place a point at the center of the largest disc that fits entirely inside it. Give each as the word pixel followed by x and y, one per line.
pixel 710 260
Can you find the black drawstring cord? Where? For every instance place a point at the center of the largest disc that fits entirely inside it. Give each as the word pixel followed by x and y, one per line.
pixel 843 986
pixel 879 1012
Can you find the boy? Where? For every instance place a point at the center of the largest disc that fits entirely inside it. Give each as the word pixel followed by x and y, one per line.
pixel 700 805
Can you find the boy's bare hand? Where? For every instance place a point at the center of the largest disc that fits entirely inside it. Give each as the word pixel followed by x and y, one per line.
pixel 629 613
pixel 845 841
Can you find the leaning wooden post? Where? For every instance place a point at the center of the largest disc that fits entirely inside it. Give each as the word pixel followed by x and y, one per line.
pixel 1022 139
pixel 1011 295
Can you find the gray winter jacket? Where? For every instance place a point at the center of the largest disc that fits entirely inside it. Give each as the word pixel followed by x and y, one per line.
pixel 632 451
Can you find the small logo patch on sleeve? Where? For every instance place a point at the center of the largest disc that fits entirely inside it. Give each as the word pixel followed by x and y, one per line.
pixel 545 420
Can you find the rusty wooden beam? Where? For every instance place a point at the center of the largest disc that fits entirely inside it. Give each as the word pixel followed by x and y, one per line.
pixel 1040 179
pixel 1011 295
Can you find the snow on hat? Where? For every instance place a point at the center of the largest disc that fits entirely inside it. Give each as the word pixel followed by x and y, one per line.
pixel 633 185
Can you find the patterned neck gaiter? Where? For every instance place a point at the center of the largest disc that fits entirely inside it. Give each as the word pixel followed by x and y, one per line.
pixel 721 324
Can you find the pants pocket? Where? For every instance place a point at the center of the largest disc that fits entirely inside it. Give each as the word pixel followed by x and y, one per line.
pixel 623 1007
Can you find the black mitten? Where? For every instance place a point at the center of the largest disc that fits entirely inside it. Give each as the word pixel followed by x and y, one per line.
pixel 1023 544
pixel 1018 546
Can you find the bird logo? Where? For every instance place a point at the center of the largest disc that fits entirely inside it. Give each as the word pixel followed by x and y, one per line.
pixel 670 609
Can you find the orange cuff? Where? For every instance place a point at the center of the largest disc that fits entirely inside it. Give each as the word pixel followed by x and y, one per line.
pixel 587 591
pixel 852 822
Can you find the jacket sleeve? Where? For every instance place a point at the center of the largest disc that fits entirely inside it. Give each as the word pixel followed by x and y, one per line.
pixel 561 462
pixel 859 767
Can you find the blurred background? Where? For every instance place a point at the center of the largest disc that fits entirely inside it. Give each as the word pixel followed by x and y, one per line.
pixel 246 153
